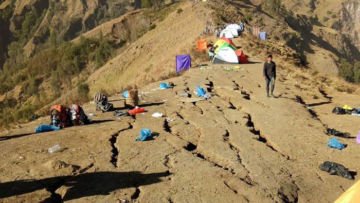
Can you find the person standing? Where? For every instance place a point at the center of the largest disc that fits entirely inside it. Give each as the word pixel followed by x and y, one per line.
pixel 270 75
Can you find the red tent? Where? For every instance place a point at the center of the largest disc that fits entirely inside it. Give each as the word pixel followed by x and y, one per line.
pixel 242 57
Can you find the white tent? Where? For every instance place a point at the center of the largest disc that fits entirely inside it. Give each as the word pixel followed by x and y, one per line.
pixel 227 34
pixel 234 28
pixel 226 55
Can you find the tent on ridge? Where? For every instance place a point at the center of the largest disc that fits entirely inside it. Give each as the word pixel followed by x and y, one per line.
pixel 201 45
pixel 234 28
pixel 226 54
pixel 241 56
pixel 222 43
pixel 229 41
pixel 227 34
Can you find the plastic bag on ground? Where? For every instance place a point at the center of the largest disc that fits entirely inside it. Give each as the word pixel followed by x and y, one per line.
pixel 145 134
pixel 336 144
pixel 157 115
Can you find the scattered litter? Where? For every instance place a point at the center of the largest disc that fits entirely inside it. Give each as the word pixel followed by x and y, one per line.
pixel 46 128
pixel 125 94
pixel 145 134
pixel 91 114
pixel 336 169
pixel 136 110
pixel 164 85
pixel 54 148
pixel 358 138
pixel 200 92
pixel 157 115
pixel 119 113
pixel 336 144
pixel 233 68
pixel 331 131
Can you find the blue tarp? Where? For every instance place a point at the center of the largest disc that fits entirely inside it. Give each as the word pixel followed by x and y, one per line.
pixel 262 35
pixel 183 62
pixel 46 128
pixel 336 144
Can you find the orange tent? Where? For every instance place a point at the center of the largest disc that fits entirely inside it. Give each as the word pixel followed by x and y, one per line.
pixel 201 45
pixel 242 57
pixel 229 41
pixel 352 195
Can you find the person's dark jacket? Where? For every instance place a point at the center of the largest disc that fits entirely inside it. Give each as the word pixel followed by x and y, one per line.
pixel 269 70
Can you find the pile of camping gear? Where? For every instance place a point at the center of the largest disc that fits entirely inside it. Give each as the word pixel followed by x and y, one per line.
pixel 62 116
pixel 346 109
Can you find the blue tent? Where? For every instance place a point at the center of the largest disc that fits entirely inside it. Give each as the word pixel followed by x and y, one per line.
pixel 183 62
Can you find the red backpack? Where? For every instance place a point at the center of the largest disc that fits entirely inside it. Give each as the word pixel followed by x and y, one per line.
pixel 59 116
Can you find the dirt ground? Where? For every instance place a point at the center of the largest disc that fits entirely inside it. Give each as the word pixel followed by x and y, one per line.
pixel 238 146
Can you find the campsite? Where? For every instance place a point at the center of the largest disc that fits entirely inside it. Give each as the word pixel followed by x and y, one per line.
pixel 184 117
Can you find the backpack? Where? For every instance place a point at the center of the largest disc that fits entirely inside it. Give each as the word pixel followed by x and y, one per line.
pixel 102 104
pixel 59 116
pixel 339 111
pixel 78 116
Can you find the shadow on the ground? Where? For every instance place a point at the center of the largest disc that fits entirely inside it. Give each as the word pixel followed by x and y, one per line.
pixel 101 121
pixel 83 185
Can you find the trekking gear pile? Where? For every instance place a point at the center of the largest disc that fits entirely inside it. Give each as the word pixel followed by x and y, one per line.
pixel 336 169
pixel 331 131
pixel 62 116
pixel 102 104
pixel 346 110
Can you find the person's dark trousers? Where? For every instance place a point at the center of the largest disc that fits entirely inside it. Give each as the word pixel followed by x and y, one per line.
pixel 270 86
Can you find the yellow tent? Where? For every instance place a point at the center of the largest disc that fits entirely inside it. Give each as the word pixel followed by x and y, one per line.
pixel 352 195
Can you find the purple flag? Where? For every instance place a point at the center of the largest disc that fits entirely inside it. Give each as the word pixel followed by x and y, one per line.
pixel 183 62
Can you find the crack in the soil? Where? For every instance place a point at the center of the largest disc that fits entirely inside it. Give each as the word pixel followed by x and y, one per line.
pixel 136 194
pixel 313 114
pixel 166 126
pixel 201 111
pixel 230 188
pixel 236 86
pixel 325 95
pixel 245 95
pixel 231 106
pixel 261 137
pixel 114 149
pixel 210 86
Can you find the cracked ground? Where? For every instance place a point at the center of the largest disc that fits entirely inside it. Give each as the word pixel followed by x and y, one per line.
pixel 238 146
